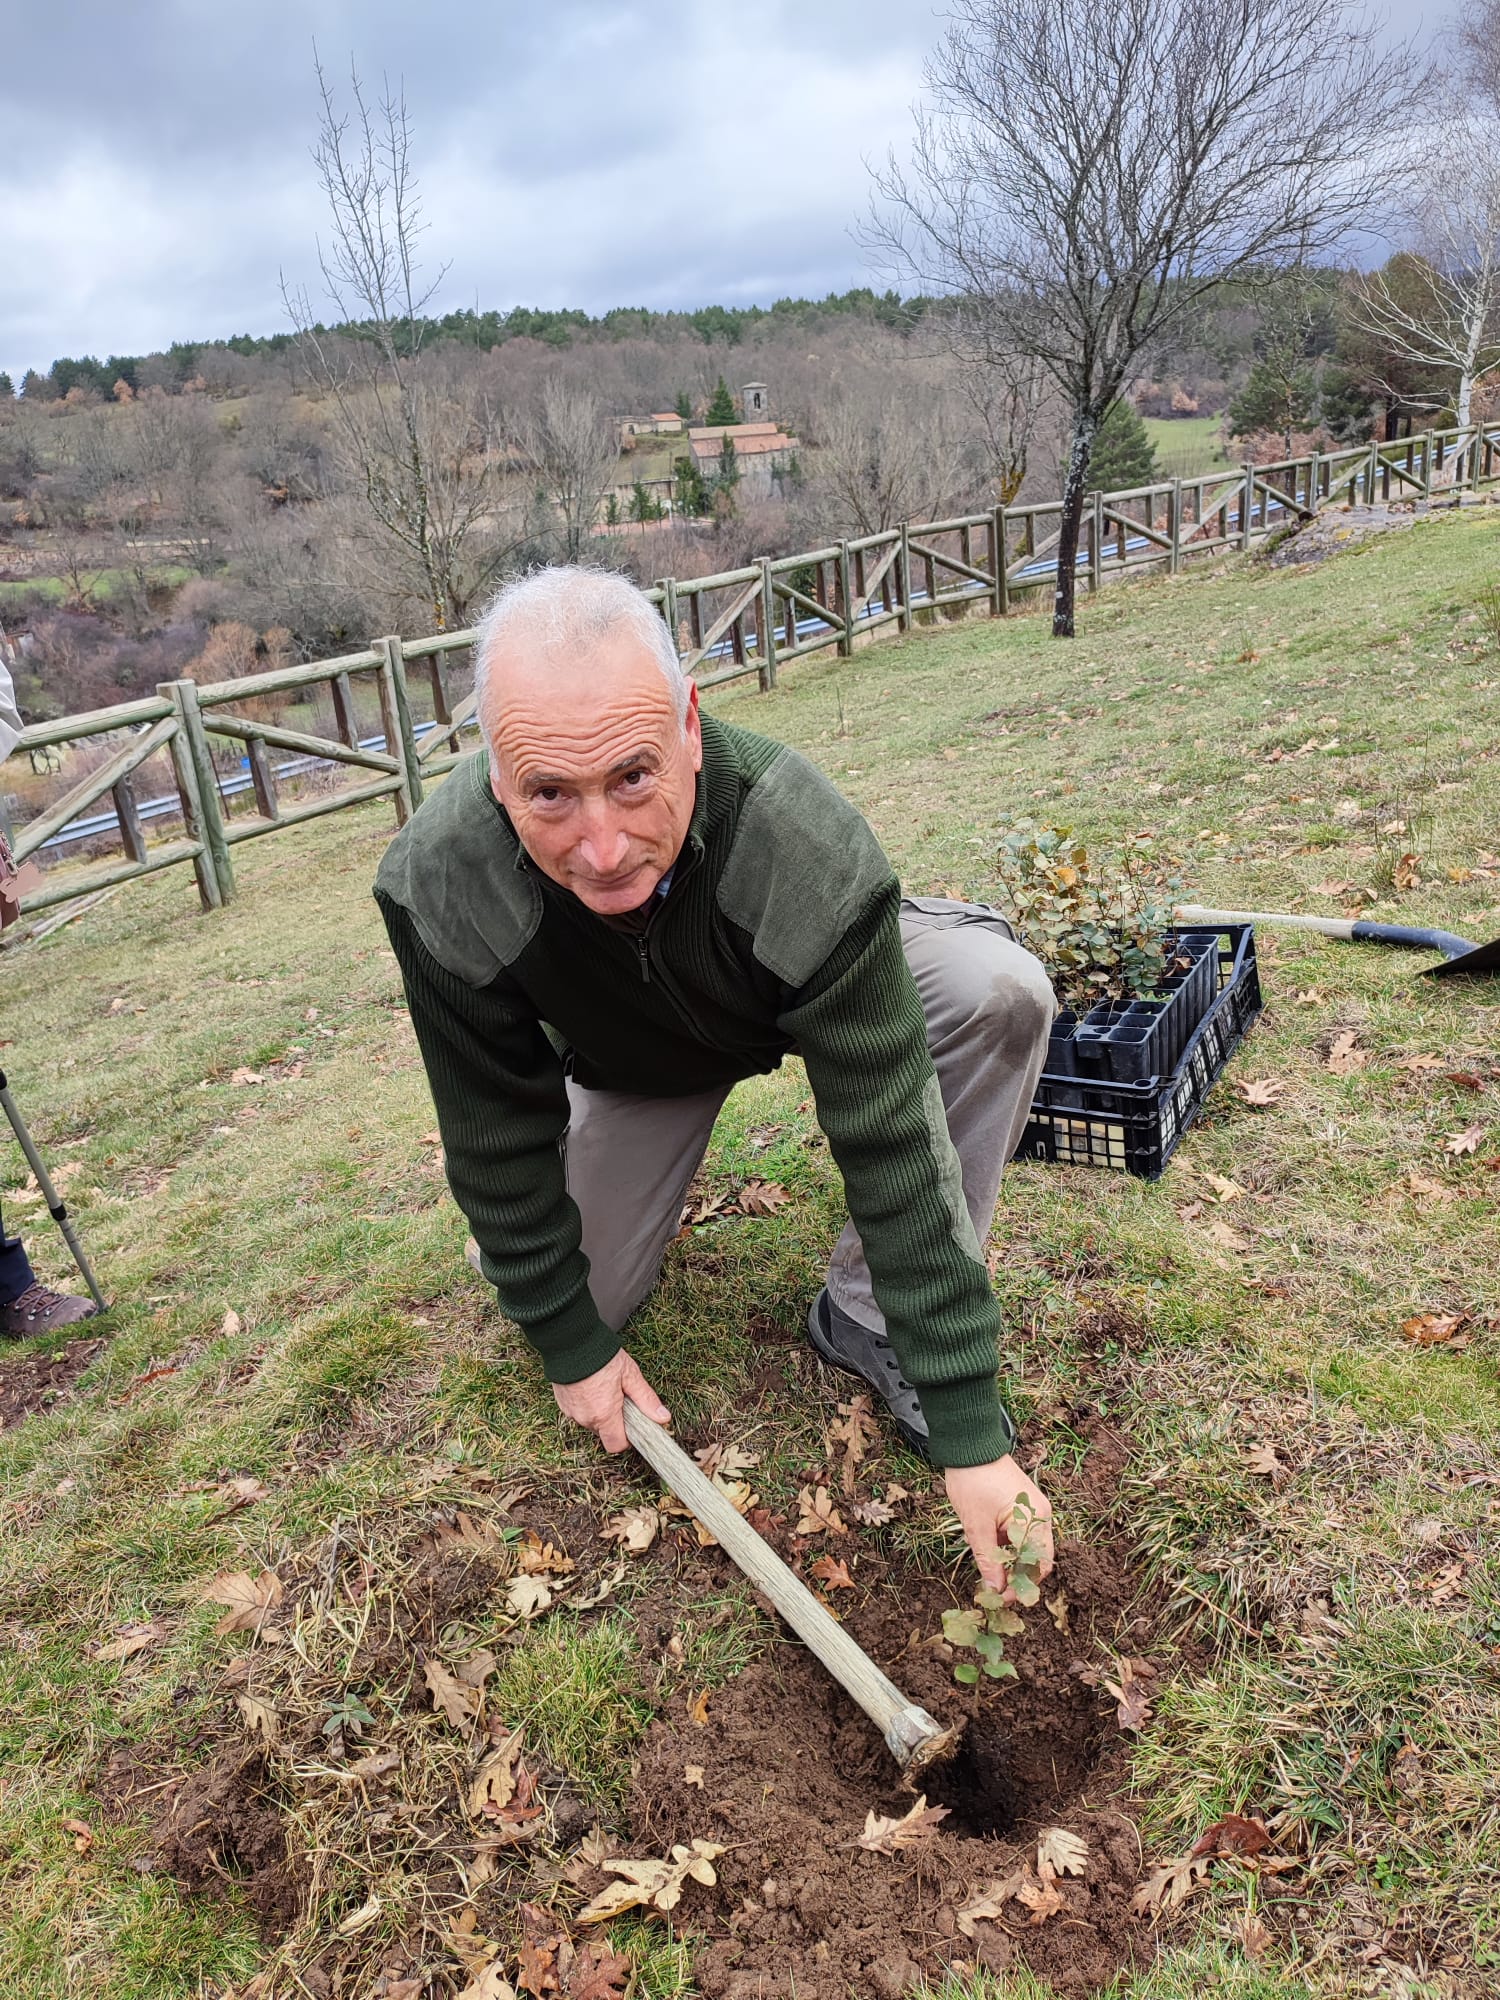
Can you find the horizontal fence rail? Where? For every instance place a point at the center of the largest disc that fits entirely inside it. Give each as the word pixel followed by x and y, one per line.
pixel 218 736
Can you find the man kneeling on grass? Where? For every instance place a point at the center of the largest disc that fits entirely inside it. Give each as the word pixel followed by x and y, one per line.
pixel 620 910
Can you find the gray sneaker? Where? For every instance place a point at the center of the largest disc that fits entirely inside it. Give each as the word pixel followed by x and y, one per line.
pixel 39 1310
pixel 858 1350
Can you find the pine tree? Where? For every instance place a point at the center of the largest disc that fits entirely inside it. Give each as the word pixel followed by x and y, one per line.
pixel 1123 454
pixel 7 387
pixel 683 406
pixel 721 410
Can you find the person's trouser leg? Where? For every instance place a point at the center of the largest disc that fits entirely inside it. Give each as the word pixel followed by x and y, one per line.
pixel 16 1274
pixel 989 1009
pixel 629 1163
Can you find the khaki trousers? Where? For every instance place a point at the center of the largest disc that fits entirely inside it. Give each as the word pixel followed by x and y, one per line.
pixel 989 1009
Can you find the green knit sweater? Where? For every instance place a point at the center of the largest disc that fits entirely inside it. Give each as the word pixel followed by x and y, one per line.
pixel 779 933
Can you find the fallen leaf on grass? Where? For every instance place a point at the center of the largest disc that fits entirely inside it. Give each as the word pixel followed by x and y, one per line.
pixel 702 1210
pixel 1346 1056
pixel 493 1784
pixel 1407 873
pixel 1331 888
pixel 1190 1211
pixel 1433 1329
pixel 528 1597
pixel 360 1919
pixel 82 1832
pixel 854 1434
pixel 1231 1835
pixel 887 1836
pixel 599 1974
pixel 652 1885
pixel 488 1983
pixel 816 1513
pixel 1422 1062
pixel 1309 996
pixel 460 1703
pixel 762 1197
pixel 133 1639
pixel 1252 1934
pixel 873 1513
pixel 231 1324
pixel 1229 1237
pixel 726 1461
pixel 1261 1459
pixel 698 1710
pixel 1260 1090
pixel 378 1764
pixel 1169 1884
pixel 833 1575
pixel 1226 1189
pixel 1425 1188
pixel 463 1531
pixel 635 1529
pixel 535 1557
pixel 1468 1141
pixel 1463 1079
pixel 260 1718
pixel 249 1598
pixel 241 1078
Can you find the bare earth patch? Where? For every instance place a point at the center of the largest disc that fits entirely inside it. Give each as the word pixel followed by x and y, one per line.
pixel 38 1378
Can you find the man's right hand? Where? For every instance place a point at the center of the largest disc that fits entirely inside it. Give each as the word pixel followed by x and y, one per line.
pixel 598 1401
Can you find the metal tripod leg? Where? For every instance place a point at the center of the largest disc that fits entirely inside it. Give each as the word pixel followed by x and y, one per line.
pixel 56 1207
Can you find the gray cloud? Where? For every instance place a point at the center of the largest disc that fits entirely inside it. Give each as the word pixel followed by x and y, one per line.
pixel 157 178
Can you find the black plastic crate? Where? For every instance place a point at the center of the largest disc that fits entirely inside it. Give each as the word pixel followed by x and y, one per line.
pixel 1081 1119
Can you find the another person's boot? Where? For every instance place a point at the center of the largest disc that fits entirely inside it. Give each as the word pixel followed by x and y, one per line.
pixel 41 1310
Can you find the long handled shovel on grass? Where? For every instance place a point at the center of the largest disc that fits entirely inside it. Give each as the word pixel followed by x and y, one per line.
pixel 914 1738
pixel 1460 955
pixel 57 1207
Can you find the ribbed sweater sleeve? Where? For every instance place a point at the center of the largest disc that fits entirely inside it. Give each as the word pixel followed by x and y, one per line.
pixel 860 1027
pixel 502 1110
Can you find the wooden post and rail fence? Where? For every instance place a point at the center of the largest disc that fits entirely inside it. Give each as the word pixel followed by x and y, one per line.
pixel 753 621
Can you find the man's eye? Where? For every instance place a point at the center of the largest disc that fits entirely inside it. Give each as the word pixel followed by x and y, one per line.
pixel 548 794
pixel 634 777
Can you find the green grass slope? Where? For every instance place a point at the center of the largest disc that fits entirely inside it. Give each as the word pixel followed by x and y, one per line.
pixel 293 1311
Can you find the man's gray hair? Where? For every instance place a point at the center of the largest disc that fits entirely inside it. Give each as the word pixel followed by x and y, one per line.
pixel 570 608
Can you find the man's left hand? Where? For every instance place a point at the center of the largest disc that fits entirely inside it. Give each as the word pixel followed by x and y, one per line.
pixel 984 1498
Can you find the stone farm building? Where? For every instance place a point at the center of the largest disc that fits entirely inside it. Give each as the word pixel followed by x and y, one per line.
pixel 762 452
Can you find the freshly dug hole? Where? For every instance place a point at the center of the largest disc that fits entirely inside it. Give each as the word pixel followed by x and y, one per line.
pixel 791 1768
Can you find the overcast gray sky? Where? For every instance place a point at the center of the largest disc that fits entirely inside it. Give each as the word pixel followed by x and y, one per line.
pixel 155 173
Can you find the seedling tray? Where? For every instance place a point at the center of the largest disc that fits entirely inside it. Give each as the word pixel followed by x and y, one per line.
pixel 1123 1084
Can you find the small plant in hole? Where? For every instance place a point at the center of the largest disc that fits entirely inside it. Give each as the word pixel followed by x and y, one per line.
pixel 991 1622
pixel 348 1716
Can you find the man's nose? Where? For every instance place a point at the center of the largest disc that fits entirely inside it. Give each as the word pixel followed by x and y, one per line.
pixel 603 846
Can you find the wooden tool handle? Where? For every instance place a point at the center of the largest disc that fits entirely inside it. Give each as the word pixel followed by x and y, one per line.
pixel 1335 927
pixel 913 1737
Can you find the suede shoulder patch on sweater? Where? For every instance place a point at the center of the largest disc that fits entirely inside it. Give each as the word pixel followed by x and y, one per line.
pixel 453 867
pixel 803 864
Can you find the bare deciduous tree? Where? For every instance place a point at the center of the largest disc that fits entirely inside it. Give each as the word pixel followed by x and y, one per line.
pixel 889 454
pixel 429 485
pixel 573 450
pixel 1087 176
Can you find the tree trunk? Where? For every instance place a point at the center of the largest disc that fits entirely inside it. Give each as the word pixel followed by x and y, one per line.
pixel 1085 428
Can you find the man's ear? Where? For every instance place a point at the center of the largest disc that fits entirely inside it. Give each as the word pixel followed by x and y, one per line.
pixel 692 726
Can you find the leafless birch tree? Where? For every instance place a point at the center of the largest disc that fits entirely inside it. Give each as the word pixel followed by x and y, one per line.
pixel 429 484
pixel 1084 176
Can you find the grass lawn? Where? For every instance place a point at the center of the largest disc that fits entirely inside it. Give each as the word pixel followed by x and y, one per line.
pixel 1187 445
pixel 303 1386
pixel 100 584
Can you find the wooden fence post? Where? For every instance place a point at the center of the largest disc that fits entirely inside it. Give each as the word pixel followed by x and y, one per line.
pixel 183 695
pixel 903 580
pixel 1174 528
pixel 999 562
pixel 403 746
pixel 186 774
pixel 668 588
pixel 846 603
pixel 132 836
pixel 1096 542
pixel 1247 505
pixel 767 627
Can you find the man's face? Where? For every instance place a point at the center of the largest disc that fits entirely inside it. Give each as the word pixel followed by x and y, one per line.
pixel 595 770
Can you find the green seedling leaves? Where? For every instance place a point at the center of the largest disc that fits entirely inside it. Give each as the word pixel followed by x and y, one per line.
pixel 962 1628
pixel 987 1626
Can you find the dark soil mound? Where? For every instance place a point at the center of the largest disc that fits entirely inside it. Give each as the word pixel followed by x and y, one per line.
pixel 222 1824
pixel 32 1379
pixel 790 1768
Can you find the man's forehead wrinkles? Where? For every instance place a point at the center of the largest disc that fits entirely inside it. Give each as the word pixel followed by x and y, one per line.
pixel 644 758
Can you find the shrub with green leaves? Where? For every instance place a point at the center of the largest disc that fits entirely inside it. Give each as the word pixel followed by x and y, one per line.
pixel 1097 923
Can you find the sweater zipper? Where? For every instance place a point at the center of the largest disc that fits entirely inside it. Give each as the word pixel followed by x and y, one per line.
pixel 643 952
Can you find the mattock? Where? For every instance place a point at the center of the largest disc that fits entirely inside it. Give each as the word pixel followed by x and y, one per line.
pixel 914 1738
